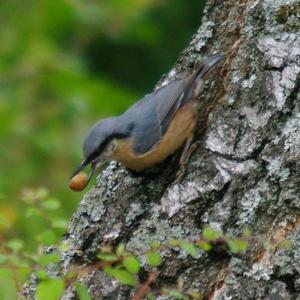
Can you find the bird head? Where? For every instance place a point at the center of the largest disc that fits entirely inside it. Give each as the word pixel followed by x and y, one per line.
pixel 98 146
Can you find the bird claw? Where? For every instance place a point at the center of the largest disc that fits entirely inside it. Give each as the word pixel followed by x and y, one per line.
pixel 188 150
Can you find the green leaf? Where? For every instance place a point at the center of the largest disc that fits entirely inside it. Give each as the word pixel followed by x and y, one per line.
pixel 15 245
pixel 8 290
pixel 174 242
pixel 82 292
pixel 237 245
pixel 152 258
pixel 210 234
pixel 132 264
pixel 59 223
pixel 155 244
pixel 63 246
pixel 41 274
pixel 124 276
pixel 204 245
pixel 107 256
pixel 177 295
pixel 108 270
pixel 50 205
pixel 50 289
pixel 47 259
pixel 120 249
pixel 47 237
pixel 189 248
pixel 25 271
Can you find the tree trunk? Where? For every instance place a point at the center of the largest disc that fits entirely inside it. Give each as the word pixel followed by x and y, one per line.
pixel 245 173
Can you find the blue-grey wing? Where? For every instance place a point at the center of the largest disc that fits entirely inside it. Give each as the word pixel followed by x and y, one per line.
pixel 168 101
pixel 153 114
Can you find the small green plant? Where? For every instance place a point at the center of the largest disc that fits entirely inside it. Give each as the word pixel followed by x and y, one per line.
pixel 17 262
pixel 125 266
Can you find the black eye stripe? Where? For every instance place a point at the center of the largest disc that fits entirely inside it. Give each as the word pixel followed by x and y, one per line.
pixel 102 146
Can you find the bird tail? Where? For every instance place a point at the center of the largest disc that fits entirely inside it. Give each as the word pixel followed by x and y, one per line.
pixel 202 70
pixel 205 67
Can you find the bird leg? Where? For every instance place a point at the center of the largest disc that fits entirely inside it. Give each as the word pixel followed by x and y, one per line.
pixel 188 149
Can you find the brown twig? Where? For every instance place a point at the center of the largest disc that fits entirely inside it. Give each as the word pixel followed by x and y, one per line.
pixel 144 288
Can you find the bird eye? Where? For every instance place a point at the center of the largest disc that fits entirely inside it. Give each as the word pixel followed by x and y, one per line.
pixel 110 148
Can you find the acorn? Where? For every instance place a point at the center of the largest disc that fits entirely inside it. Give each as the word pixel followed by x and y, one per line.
pixel 78 182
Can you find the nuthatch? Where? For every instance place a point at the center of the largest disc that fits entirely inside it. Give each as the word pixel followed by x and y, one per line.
pixel 150 130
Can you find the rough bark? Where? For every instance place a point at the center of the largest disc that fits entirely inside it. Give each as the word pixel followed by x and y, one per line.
pixel 245 173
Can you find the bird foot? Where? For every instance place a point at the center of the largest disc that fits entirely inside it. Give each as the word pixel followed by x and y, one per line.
pixel 188 150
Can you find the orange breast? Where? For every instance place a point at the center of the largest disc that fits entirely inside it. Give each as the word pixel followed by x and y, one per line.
pixel 180 129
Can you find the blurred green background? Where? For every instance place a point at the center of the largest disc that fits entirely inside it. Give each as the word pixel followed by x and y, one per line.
pixel 64 65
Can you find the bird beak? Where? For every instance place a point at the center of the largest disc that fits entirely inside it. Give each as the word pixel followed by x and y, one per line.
pixel 82 165
pixel 94 166
pixel 92 171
